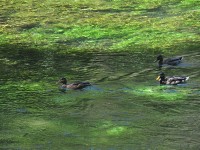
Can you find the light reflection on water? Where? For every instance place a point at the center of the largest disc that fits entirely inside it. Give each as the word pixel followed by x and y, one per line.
pixel 124 109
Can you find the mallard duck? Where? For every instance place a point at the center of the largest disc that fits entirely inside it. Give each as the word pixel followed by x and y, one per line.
pixel 173 80
pixel 75 86
pixel 169 61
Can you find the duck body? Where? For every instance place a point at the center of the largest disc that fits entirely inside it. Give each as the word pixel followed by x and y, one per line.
pixel 170 61
pixel 78 85
pixel 173 80
pixel 75 86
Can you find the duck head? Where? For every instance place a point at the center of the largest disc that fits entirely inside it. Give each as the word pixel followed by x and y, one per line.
pixel 161 78
pixel 160 60
pixel 63 81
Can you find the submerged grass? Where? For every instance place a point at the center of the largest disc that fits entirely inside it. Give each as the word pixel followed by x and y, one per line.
pixel 107 26
pixel 161 93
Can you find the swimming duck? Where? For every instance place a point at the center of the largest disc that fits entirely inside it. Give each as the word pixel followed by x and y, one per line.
pixel 75 86
pixel 174 80
pixel 170 61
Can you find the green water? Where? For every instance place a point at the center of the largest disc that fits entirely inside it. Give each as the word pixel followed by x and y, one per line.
pixel 125 108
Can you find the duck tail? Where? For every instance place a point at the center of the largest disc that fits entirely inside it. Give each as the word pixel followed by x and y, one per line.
pixel 187 78
pixel 181 58
pixel 87 83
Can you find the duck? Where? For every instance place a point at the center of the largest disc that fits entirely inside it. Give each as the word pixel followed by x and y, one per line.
pixel 173 80
pixel 169 61
pixel 75 86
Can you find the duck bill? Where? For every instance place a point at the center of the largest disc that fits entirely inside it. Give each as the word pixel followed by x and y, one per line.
pixel 158 78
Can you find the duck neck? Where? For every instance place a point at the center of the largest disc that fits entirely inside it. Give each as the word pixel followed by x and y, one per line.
pixel 160 62
pixel 162 79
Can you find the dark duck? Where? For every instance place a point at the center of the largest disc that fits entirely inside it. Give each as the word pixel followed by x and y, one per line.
pixel 173 80
pixel 75 86
pixel 169 61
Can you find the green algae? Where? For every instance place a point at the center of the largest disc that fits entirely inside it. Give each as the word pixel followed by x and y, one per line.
pixel 161 93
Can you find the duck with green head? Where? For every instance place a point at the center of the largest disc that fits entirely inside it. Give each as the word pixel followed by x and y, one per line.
pixel 173 80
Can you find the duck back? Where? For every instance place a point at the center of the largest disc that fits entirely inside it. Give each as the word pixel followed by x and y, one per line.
pixel 173 61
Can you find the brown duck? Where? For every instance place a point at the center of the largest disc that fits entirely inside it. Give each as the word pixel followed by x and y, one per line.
pixel 75 86
pixel 169 61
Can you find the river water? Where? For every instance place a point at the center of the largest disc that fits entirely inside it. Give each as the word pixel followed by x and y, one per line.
pixel 124 109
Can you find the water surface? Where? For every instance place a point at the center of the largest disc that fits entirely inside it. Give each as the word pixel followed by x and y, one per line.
pixel 124 109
